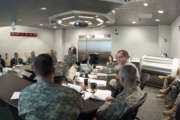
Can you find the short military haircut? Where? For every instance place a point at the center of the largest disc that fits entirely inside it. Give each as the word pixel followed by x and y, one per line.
pixel 43 65
pixel 124 52
pixel 128 73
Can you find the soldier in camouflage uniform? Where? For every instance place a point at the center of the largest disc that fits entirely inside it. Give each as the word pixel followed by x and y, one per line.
pixel 130 96
pixel 45 100
pixel 171 92
pixel 69 60
pixel 172 112
pixel 122 59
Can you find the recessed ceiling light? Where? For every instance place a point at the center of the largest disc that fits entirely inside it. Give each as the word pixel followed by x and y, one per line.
pixel 43 8
pixel 157 20
pixel 59 21
pixel 160 11
pixel 87 17
pixel 146 4
pixel 41 24
pixel 134 22
pixel 100 20
pixel 113 11
pixel 67 18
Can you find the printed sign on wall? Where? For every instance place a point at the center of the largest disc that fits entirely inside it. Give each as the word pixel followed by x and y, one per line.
pixel 23 34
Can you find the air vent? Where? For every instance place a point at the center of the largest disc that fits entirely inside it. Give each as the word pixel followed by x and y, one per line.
pixel 117 1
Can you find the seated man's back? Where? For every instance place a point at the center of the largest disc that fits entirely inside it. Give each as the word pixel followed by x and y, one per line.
pixel 47 101
pixel 129 98
pixel 121 104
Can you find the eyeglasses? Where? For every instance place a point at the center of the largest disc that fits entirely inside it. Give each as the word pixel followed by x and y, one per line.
pixel 119 57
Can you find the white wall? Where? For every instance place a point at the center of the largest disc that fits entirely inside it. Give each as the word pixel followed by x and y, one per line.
pixel 164 34
pixel 175 39
pixel 138 40
pixel 59 43
pixel 41 44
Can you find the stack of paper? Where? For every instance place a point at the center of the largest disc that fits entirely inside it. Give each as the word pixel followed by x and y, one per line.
pixel 75 87
pixel 100 83
pixel 101 94
pixel 15 96
pixel 92 76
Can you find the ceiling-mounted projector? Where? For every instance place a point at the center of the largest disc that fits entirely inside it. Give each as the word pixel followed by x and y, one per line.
pixel 80 24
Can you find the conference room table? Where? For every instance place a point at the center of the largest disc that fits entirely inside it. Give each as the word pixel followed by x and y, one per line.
pixel 11 82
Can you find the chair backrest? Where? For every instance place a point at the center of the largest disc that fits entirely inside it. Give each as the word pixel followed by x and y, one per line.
pixel 144 78
pixel 8 111
pixel 132 112
pixel 178 112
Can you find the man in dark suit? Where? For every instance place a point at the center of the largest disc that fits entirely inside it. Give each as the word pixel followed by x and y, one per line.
pixel 16 60
pixel 2 62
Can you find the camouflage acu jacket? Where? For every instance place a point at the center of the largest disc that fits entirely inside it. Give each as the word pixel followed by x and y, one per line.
pixel 47 101
pixel 119 106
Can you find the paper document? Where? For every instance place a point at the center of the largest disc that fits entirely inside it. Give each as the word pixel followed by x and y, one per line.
pixel 19 65
pixel 15 96
pixel 92 76
pixel 27 74
pixel 99 67
pixel 75 87
pixel 100 83
pixel 102 74
pixel 87 95
pixel 101 94
pixel 80 79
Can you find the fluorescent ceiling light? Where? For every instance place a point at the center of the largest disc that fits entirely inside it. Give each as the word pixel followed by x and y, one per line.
pixel 41 24
pixel 100 20
pixel 134 22
pixel 67 18
pixel 43 8
pixel 72 23
pixel 160 11
pixel 59 21
pixel 99 24
pixel 146 4
pixel 157 20
pixel 64 25
pixel 88 17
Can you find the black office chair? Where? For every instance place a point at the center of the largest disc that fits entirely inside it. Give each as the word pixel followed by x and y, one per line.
pixel 178 112
pixel 143 80
pixel 8 111
pixel 132 112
